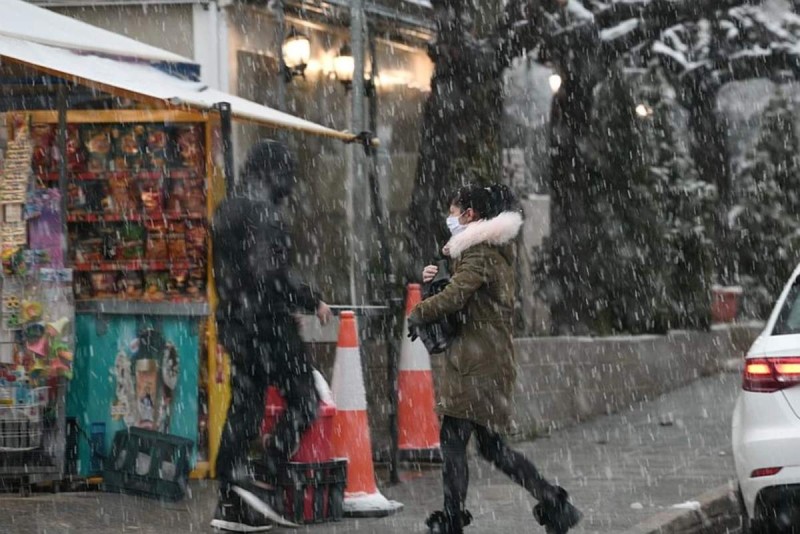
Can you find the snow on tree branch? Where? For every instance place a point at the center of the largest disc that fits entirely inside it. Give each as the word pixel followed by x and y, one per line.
pixel 620 30
pixel 579 12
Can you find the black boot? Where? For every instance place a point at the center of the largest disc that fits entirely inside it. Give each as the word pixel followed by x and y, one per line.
pixel 263 499
pixel 233 515
pixel 556 513
pixel 439 523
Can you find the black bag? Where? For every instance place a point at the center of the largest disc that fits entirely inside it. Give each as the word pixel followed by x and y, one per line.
pixel 438 335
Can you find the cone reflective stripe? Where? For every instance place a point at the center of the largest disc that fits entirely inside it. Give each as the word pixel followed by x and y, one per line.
pixel 351 437
pixel 417 423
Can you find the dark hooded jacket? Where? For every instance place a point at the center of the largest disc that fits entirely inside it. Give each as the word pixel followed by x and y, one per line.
pixel 252 246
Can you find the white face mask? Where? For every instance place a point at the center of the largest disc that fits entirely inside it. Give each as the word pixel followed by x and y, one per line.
pixel 454 226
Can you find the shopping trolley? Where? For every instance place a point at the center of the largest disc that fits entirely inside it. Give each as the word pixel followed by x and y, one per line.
pixel 32 426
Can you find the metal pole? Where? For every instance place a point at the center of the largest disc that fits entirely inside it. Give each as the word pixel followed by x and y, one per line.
pixel 358 193
pixel 226 126
pixel 357 45
pixel 380 218
pixel 62 163
pixel 280 16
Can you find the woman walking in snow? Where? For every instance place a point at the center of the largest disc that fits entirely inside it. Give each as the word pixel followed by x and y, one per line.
pixel 480 367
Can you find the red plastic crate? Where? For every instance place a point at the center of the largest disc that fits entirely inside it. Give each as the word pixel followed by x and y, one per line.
pixel 315 443
pixel 312 492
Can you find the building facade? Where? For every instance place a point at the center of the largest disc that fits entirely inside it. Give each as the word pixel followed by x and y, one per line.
pixel 239 47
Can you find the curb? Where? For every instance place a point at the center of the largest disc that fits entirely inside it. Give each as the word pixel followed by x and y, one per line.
pixel 717 509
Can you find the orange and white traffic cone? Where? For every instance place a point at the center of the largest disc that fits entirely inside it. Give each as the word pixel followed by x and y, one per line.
pixel 417 423
pixel 351 438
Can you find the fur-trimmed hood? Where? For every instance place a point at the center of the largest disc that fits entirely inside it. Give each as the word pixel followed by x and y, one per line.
pixel 499 230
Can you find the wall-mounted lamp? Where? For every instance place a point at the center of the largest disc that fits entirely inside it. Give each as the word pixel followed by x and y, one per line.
pixel 644 111
pixel 555 82
pixel 344 67
pixel 296 54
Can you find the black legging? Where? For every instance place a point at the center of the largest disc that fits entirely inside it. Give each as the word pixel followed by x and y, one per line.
pixel 271 355
pixel 454 436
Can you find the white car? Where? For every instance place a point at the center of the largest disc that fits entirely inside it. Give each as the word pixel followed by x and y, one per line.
pixel 766 422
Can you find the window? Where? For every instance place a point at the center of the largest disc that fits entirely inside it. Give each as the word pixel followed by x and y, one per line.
pixel 789 319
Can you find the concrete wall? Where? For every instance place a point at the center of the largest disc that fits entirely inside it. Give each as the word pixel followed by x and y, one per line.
pixel 533 314
pixel 565 380
pixel 164 26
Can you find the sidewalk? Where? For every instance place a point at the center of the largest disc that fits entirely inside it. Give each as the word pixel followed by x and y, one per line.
pixel 620 469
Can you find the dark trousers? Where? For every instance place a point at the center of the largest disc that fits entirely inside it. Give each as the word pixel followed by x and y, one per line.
pixel 270 353
pixel 455 435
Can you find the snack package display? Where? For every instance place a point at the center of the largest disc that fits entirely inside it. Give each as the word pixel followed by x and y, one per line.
pixel 196 236
pixel 150 193
pixel 122 194
pixel 130 144
pixel 97 140
pixel 104 285
pixel 157 247
pixel 130 285
pixel 155 285
pixel 136 205
pixel 130 244
pixel 42 136
pixel 189 146
pixel 157 142
pixel 89 248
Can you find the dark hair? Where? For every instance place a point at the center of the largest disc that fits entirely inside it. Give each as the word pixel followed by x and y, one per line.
pixel 487 201
pixel 270 163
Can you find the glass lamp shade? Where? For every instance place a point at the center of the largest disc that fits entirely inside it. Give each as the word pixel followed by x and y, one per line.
pixel 296 50
pixel 344 66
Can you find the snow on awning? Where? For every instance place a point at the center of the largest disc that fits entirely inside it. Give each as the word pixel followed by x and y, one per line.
pixel 251 111
pixel 141 80
pixel 28 22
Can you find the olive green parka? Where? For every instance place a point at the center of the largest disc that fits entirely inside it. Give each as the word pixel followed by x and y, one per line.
pixel 480 365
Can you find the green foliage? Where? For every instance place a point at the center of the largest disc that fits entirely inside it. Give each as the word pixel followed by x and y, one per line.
pixel 641 259
pixel 764 222
pixel 687 211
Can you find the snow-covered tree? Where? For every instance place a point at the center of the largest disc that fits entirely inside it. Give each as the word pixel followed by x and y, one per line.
pixel 688 206
pixel 702 44
pixel 765 221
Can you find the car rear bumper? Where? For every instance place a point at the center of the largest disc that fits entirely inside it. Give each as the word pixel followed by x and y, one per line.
pixel 766 434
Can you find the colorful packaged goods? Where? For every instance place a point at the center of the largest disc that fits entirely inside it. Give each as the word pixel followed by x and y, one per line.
pixel 110 239
pixel 76 157
pixel 196 241
pixel 131 285
pixel 42 137
pixel 197 282
pixel 137 206
pixel 97 140
pixel 190 146
pixel 157 143
pixel 150 193
pixel 178 281
pixel 89 249
pixel 121 194
pixel 155 285
pixel 129 145
pixel 157 248
pixel 104 285
pixel 131 242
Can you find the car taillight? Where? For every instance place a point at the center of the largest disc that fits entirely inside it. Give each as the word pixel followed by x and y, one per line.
pixel 765 472
pixel 767 375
